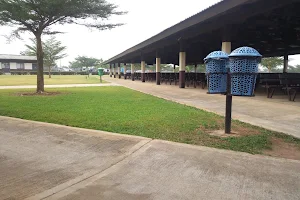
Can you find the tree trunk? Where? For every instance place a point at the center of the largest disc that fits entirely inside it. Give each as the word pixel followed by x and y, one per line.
pixel 49 71
pixel 40 62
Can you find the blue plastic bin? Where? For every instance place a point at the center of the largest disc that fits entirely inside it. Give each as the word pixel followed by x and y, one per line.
pixel 243 63
pixel 216 72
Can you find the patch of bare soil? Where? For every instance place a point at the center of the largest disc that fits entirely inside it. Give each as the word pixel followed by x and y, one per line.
pixel 222 134
pixel 237 131
pixel 245 131
pixel 282 149
pixel 39 94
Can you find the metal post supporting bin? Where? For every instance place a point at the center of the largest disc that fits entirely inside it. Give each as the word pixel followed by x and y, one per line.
pixel 243 64
pixel 216 72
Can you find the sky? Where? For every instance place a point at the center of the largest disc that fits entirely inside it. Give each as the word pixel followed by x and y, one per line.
pixel 144 20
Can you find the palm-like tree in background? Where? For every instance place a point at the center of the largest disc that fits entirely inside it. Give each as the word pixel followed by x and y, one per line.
pixel 53 51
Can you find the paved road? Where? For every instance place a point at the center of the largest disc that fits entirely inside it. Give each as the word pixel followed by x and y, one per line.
pixel 44 161
pixel 58 86
pixel 276 114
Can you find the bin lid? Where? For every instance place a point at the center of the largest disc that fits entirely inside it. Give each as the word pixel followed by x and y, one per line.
pixel 217 55
pixel 245 52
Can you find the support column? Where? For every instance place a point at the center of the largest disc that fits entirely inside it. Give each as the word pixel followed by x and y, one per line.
pixel 132 71
pixel 182 65
pixel 119 70
pixel 125 73
pixel 195 77
pixel 114 71
pixel 286 63
pixel 226 47
pixel 158 70
pixel 110 70
pixel 143 67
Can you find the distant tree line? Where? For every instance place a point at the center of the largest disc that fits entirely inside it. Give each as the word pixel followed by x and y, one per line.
pixel 84 61
pixel 275 65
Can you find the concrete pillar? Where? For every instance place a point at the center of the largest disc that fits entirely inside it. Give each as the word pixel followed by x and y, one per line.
pixel 114 71
pixel 125 73
pixel 182 65
pixel 110 70
pixel 143 69
pixel 158 70
pixel 286 63
pixel 119 70
pixel 226 47
pixel 132 71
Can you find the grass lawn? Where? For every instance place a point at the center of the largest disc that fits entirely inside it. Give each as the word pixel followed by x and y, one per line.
pixel 121 110
pixel 13 80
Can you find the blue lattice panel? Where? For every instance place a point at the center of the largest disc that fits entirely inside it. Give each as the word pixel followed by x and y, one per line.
pixel 244 65
pixel 243 84
pixel 216 66
pixel 216 63
pixel 217 83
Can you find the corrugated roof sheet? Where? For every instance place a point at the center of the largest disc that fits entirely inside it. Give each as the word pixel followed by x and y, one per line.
pixel 209 7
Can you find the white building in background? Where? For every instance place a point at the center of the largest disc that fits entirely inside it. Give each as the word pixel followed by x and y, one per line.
pixel 10 63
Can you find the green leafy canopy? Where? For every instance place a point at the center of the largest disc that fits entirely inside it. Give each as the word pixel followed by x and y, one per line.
pixel 37 16
pixel 272 63
pixel 83 61
pixel 53 50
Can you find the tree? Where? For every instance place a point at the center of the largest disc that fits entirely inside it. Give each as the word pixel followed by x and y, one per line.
pixel 167 68
pixel 272 63
pixel 53 51
pixel 84 61
pixel 37 17
pixel 294 69
pixel 137 67
pixel 201 68
pixel 189 68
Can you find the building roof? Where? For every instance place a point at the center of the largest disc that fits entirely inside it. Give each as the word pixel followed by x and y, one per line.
pixel 17 57
pixel 270 26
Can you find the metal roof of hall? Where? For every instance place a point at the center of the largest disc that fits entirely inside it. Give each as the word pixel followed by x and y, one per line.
pixel 17 57
pixel 270 26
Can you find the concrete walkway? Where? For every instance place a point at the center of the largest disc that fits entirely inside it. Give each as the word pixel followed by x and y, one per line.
pixel 277 114
pixel 45 161
pixel 58 86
